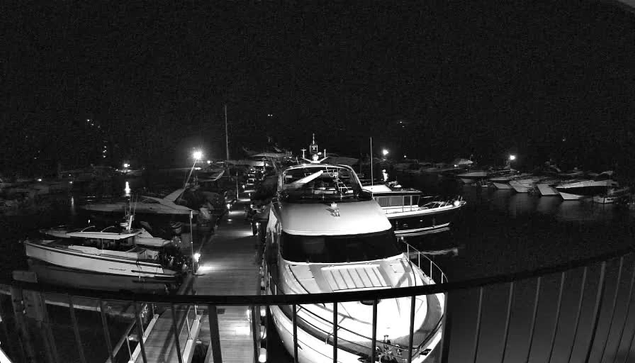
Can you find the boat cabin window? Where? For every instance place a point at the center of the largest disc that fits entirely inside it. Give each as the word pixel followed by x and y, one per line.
pixel 397 201
pixel 339 249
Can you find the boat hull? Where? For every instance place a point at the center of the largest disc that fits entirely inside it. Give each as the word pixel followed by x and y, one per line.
pixel 502 186
pixel 314 349
pixel 570 196
pixel 96 263
pixel 546 189
pixel 422 222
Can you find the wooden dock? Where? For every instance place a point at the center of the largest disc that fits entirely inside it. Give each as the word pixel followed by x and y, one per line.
pixel 228 265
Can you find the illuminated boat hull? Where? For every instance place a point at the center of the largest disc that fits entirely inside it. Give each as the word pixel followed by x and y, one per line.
pixel 102 261
pixel 355 319
pixel 423 221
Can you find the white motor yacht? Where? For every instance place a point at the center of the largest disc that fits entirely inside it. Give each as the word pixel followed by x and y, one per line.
pixel 326 234
pixel 109 252
pixel 585 188
pixel 413 214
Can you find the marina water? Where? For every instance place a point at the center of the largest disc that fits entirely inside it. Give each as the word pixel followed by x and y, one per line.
pixel 497 232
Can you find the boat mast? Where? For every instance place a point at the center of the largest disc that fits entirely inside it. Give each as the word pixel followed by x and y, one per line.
pixel 371 162
pixel 226 136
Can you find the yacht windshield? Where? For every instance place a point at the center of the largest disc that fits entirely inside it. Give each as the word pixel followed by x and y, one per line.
pixel 339 249
pixel 321 183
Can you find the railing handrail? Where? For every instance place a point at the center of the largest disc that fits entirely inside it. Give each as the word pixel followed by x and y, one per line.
pixel 267 300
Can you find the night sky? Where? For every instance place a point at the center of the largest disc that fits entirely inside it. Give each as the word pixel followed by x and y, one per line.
pixel 544 79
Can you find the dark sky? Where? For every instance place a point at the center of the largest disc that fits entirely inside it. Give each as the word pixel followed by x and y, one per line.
pixel 482 78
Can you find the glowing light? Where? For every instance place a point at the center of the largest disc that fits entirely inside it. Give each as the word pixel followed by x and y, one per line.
pixel 197 256
pixel 39 179
pixel 126 189
pixel 457 203
pixel 512 157
pixel 126 165
pixel 384 152
pixel 262 357
pixel 209 161
pixel 197 155
pixel 205 268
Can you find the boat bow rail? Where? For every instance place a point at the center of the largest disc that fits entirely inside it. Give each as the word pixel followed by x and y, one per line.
pixel 591 303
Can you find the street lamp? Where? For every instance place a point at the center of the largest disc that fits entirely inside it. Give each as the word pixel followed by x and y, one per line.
pixel 512 157
pixel 384 152
pixel 196 155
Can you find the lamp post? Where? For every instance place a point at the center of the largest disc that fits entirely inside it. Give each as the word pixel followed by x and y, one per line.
pixel 196 155
pixel 511 158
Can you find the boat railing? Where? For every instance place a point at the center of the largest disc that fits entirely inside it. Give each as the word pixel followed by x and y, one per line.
pixel 572 311
pixel 429 267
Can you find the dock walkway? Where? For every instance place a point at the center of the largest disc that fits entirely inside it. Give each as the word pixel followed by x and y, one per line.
pixel 229 265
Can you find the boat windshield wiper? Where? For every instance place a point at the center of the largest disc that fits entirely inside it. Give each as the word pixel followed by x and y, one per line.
pixel 307 179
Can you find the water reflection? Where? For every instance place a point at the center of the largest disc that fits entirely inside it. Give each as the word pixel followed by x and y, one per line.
pixel 586 211
pixel 521 204
pixel 548 205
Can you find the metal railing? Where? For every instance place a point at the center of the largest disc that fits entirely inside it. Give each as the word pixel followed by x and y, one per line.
pixel 578 311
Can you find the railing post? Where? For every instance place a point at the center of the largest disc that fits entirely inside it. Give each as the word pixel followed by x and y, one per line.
pixel 617 290
pixel 510 301
pixel 374 341
pixel 533 318
pixel 176 334
pixel 557 318
pixel 140 332
pixel 628 310
pixel 599 297
pixel 335 323
pixel 447 325
pixel 294 317
pixel 78 339
pixel 478 322
pixel 577 317
pixel 413 299
pixel 212 313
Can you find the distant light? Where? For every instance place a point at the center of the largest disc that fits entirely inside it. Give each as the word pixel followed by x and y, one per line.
pixel 127 189
pixel 209 161
pixel 126 165
pixel 384 152
pixel 197 155
pixel 512 157
pixel 457 203
pixel 39 179
pixel 197 256
pixel 404 156
pixel 269 115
